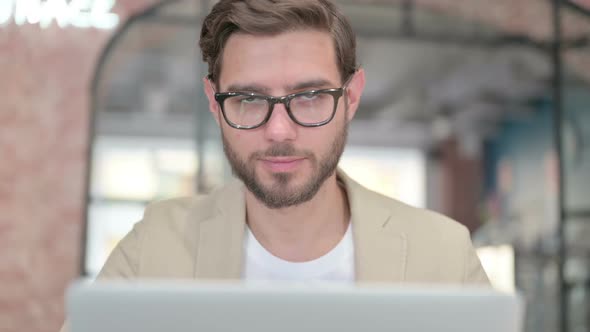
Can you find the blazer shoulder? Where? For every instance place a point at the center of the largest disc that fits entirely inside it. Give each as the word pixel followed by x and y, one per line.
pixel 176 214
pixel 171 217
pixel 441 241
pixel 169 211
pixel 419 221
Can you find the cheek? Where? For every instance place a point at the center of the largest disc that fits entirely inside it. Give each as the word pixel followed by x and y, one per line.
pixel 242 141
pixel 319 140
pixel 335 133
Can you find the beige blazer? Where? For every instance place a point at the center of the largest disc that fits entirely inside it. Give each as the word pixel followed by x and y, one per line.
pixel 203 238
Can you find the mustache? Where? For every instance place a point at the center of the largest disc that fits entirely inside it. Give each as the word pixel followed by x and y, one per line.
pixel 282 149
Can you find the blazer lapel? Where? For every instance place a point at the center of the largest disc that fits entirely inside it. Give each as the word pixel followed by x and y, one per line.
pixel 217 237
pixel 380 248
pixel 220 235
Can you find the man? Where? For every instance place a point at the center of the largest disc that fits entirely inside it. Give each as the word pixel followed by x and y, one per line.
pixel 283 85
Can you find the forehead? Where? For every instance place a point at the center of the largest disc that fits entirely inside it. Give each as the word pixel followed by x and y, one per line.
pixel 279 61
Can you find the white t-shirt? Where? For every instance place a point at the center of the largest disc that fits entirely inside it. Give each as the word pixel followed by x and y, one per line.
pixel 335 266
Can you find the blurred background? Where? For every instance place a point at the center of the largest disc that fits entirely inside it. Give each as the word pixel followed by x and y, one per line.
pixel 477 109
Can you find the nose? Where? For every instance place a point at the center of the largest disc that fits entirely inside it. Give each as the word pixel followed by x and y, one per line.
pixel 280 127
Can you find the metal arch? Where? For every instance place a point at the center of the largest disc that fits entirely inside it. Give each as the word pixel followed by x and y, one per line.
pixel 93 106
pixel 580 9
pixel 559 45
pixel 557 61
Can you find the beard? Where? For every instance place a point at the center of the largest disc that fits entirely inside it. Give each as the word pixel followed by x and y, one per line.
pixel 280 194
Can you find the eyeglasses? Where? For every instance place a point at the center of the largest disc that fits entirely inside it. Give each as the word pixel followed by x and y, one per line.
pixel 314 108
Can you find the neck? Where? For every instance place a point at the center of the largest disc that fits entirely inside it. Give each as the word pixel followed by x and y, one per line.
pixel 303 232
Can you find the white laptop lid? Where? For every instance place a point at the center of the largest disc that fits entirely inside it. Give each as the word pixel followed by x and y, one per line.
pixel 190 306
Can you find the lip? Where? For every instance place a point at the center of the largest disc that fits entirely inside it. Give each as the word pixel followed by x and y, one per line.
pixel 282 164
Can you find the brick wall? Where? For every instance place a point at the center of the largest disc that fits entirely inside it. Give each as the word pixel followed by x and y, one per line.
pixel 44 96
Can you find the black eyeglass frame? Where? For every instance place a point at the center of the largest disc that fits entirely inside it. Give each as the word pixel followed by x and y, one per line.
pixel 336 93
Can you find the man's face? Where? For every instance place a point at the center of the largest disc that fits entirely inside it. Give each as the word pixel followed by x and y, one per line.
pixel 282 163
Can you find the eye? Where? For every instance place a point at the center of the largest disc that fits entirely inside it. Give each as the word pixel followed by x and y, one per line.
pixel 249 99
pixel 309 96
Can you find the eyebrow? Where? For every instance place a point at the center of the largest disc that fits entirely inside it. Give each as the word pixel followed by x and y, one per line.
pixel 248 88
pixel 311 84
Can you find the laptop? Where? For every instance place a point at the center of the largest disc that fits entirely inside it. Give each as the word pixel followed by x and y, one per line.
pixel 183 306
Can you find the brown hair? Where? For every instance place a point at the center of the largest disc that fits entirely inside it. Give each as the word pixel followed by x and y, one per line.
pixel 271 17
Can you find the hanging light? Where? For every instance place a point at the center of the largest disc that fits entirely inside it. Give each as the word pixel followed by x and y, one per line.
pixel 76 13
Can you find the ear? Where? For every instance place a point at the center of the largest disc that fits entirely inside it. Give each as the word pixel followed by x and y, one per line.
pixel 355 89
pixel 213 105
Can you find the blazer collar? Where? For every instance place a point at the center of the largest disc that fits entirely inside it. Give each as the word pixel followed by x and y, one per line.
pixel 380 246
pixel 220 234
